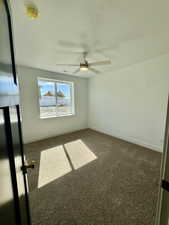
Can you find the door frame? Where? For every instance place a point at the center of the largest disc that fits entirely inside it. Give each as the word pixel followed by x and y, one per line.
pixel 8 130
pixel 163 167
pixel 10 32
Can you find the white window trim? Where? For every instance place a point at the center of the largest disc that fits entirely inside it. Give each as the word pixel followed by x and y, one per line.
pixel 72 97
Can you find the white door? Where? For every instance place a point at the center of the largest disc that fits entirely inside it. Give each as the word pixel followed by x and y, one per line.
pixel 163 203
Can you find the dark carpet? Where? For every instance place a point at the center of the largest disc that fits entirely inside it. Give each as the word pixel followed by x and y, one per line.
pixel 120 187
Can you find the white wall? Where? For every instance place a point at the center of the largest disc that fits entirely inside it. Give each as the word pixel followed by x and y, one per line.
pixel 131 103
pixel 35 128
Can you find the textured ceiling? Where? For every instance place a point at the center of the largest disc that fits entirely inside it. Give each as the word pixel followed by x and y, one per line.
pixel 124 31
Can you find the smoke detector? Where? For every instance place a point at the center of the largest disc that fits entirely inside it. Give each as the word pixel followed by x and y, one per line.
pixel 32 11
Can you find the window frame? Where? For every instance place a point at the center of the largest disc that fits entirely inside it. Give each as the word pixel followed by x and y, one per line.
pixel 72 92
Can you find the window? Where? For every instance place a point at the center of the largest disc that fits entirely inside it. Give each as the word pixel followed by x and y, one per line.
pixel 56 98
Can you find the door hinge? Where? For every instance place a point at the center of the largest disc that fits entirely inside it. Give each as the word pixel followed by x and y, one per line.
pixel 165 185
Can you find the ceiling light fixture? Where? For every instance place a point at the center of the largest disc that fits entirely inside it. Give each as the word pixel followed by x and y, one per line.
pixel 84 68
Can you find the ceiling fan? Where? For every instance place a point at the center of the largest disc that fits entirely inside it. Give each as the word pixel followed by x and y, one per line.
pixel 87 66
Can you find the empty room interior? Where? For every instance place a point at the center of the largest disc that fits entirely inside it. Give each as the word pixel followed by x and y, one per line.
pixel 94 85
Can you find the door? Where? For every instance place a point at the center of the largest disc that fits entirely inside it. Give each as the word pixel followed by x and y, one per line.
pixel 14 202
pixel 163 203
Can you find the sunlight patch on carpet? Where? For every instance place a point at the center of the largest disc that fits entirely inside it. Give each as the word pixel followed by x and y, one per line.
pixel 79 153
pixel 53 164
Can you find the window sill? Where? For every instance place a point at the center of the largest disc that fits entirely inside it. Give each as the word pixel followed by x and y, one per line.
pixel 49 117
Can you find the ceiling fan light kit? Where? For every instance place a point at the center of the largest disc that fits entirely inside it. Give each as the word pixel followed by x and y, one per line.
pixel 84 69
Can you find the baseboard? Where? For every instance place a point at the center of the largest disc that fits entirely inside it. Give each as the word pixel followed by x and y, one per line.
pixel 130 139
pixel 32 140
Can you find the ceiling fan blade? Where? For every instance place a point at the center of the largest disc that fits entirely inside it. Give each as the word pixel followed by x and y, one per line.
pixel 61 51
pixel 100 63
pixel 76 71
pixel 93 70
pixel 80 47
pixel 111 47
pixel 69 44
pixel 67 64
